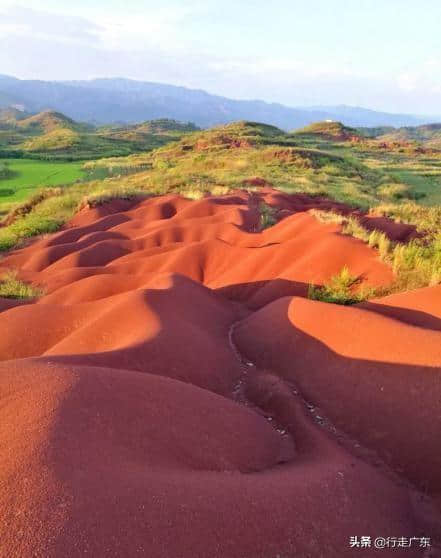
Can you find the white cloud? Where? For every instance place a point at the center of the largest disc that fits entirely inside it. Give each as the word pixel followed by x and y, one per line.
pixel 131 31
pixel 156 45
pixel 163 27
pixel 17 20
pixel 424 78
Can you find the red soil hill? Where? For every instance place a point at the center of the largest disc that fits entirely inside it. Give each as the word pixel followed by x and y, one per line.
pixel 152 403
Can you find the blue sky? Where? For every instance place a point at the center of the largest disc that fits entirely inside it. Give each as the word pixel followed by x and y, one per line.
pixel 381 54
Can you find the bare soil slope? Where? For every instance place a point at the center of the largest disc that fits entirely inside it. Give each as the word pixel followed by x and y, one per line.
pixel 152 403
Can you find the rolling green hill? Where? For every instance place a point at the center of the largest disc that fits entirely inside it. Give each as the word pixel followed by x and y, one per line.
pixel 245 154
pixel 48 121
pixel 329 130
pixel 375 132
pixel 50 135
pixel 429 135
pixel 163 126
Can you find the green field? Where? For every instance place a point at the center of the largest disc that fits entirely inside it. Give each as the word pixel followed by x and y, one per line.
pixel 27 175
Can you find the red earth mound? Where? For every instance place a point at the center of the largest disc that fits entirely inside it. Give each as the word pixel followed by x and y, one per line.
pixel 172 395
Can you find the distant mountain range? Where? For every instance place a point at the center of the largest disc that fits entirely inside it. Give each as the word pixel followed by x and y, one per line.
pixel 103 101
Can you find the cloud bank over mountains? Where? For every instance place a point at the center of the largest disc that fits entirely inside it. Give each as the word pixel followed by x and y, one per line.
pixel 292 55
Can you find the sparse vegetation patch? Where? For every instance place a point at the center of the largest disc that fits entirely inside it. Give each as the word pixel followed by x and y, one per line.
pixel 416 263
pixel 12 287
pixel 341 289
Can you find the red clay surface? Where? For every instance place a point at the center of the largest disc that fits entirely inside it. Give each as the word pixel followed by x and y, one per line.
pixel 152 403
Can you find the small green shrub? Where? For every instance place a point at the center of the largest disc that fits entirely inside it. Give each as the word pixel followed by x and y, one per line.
pixel 267 216
pixel 339 289
pixel 5 171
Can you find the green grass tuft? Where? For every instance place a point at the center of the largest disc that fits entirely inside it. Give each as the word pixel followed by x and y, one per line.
pixel 12 287
pixel 267 216
pixel 339 290
pixel 416 264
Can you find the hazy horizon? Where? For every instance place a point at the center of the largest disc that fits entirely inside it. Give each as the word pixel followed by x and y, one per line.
pixel 303 106
pixel 297 55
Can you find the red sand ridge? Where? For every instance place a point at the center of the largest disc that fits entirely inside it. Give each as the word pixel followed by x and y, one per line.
pixel 174 395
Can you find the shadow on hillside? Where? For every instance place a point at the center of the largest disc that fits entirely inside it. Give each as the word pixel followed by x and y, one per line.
pixel 288 204
pixel 416 318
pixel 257 294
pixel 389 407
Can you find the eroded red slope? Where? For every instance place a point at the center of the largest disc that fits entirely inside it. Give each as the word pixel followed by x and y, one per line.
pixel 151 401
